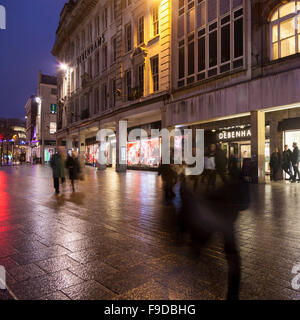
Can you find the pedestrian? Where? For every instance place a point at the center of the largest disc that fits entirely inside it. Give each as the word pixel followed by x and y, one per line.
pixel 295 162
pixel 286 161
pixel 221 162
pixel 205 173
pixel 169 177
pixel 205 214
pixel 57 163
pixel 275 163
pixel 72 164
pixel 210 166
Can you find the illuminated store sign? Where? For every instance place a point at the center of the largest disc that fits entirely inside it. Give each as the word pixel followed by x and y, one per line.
pixel 234 134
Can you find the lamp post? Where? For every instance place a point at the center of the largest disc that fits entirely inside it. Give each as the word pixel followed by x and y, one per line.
pixel 41 126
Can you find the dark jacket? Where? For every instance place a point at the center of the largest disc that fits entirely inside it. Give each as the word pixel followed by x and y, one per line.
pixel 74 168
pixel 275 160
pixel 220 160
pixel 286 157
pixel 58 166
pixel 295 156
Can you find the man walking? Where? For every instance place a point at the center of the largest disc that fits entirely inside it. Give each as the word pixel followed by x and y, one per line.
pixel 57 163
pixel 286 161
pixel 295 161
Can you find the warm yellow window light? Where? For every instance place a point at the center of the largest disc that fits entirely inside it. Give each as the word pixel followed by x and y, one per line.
pixel 285 30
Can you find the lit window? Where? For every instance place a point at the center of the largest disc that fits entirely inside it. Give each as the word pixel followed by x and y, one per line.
pixel 285 30
pixel 52 127
pixel 155 21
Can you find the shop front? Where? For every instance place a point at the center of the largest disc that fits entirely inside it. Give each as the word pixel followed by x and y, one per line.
pixel 144 153
pixel 236 142
pixel 291 131
pixel 91 151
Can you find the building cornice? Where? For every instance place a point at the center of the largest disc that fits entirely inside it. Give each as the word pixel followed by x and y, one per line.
pixel 76 12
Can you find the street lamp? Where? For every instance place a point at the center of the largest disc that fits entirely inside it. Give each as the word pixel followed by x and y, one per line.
pixel 63 66
pixel 41 126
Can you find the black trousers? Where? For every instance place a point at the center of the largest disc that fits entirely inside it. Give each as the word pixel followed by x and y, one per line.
pixel 56 183
pixel 296 172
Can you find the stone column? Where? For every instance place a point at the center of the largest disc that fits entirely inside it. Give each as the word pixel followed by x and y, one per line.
pixel 81 147
pixel 101 148
pixel 69 140
pixel 258 145
pixel 121 146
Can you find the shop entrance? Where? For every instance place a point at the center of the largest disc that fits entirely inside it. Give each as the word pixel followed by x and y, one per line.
pixel 290 137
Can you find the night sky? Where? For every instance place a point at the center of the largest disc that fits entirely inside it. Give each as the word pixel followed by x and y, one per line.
pixel 25 48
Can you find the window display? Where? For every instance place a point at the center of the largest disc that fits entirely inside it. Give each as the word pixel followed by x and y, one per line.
pixel 144 153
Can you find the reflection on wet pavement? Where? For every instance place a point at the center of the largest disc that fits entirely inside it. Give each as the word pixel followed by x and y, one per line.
pixel 115 238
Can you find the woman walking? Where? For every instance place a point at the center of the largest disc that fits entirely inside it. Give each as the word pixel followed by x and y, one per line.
pixel 72 164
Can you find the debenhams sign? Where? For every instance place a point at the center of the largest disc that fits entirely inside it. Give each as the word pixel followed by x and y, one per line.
pixel 234 134
pixel 91 49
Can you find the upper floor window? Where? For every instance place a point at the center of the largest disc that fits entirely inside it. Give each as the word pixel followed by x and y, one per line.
pixel 114 49
pixel 155 21
pixel 285 30
pixel 105 19
pixel 155 73
pixel 128 35
pixel 97 25
pixel 141 30
pixel 210 37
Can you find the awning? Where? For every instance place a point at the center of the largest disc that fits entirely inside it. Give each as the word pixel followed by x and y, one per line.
pixel 289 124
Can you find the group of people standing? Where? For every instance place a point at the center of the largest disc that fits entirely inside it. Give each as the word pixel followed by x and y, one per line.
pixel 59 162
pixel 288 162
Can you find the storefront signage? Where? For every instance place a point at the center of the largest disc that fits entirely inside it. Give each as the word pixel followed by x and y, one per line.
pixel 235 134
pixel 90 49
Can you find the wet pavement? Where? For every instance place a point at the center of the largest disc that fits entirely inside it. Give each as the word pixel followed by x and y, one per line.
pixel 115 238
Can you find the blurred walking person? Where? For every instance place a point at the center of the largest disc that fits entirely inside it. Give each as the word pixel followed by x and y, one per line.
pixel 286 161
pixel 210 166
pixel 216 212
pixel 275 163
pixel 221 163
pixel 295 162
pixel 57 163
pixel 72 164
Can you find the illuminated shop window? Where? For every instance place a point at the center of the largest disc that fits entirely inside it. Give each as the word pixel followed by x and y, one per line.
pixel 285 30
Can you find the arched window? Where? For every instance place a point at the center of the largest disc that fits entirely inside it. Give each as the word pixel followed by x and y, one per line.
pixel 285 30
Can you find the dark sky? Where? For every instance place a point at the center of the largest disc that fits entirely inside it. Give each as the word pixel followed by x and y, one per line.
pixel 25 48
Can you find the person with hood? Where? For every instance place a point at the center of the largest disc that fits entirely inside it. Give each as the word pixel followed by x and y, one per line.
pixel 57 163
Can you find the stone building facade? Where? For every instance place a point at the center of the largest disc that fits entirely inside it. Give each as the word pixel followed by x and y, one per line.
pixel 223 66
pixel 116 57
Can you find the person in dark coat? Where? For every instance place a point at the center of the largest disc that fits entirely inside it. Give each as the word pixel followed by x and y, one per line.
pixel 72 164
pixel 286 161
pixel 295 161
pixel 57 163
pixel 203 215
pixel 275 163
pixel 221 162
